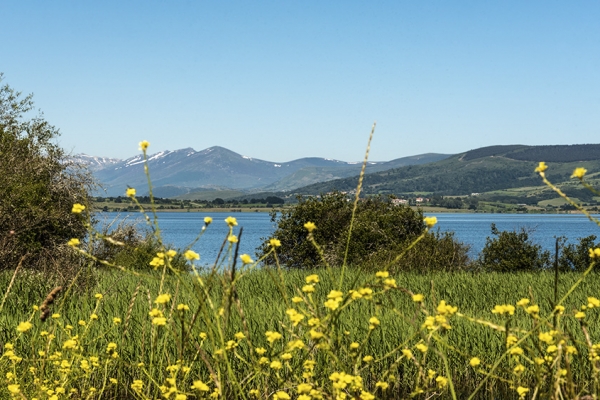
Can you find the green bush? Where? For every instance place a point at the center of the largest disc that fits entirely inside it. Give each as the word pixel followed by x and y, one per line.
pixel 380 232
pixel 512 251
pixel 576 257
pixel 38 188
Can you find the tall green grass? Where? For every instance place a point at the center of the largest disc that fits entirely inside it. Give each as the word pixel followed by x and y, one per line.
pixel 129 297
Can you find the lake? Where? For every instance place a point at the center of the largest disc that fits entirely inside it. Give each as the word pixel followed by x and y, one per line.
pixel 180 228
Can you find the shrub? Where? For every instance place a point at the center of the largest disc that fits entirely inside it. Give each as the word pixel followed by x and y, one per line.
pixel 576 257
pixel 512 251
pixel 380 232
pixel 38 188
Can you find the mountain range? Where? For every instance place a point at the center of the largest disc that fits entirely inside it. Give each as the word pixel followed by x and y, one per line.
pixel 486 169
pixel 185 171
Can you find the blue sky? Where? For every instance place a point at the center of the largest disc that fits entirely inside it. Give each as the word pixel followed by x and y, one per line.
pixel 282 80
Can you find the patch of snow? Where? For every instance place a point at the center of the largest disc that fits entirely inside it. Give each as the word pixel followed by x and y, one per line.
pixel 277 165
pixel 247 158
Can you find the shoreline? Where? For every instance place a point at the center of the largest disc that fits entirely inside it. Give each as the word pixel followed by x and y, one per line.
pixel 267 210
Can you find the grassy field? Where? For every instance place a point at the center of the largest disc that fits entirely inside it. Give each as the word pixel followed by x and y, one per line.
pixel 144 350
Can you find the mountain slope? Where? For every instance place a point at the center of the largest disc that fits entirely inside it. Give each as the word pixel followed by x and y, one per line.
pixel 176 173
pixel 480 170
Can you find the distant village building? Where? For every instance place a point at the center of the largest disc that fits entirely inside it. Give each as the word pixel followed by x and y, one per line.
pixel 397 202
pixel 475 194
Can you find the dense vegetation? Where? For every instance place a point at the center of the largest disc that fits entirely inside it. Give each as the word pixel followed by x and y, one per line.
pixel 380 231
pixel 38 188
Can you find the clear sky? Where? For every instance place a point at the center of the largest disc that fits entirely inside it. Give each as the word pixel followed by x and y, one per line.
pixel 282 80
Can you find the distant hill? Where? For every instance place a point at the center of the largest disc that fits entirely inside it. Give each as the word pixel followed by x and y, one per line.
pixel 475 171
pixel 186 173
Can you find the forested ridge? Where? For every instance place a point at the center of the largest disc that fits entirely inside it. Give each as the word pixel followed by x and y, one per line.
pixel 476 171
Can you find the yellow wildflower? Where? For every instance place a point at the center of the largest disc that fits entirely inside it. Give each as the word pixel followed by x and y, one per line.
pixel 304 388
pixel 77 208
pixel 373 322
pixel 275 364
pixel 382 274
pixel 207 220
pixel 534 309
pixel 314 278
pixel 315 335
pixel 171 253
pixel 542 167
pixel 516 351
pixel 232 239
pixel 130 192
pixel 281 396
pixel 231 221
pixel 519 369
pixel 144 146
pixel 332 304
pixel 474 362
pixel 14 389
pixel 446 309
pixel 183 307
pixel 274 242
pixel 546 337
pixel 523 302
pixel 580 315
pixel 504 309
pixel 430 221
pixel 579 173
pixel 24 326
pixel 74 242
pixel 191 255
pixel 417 298
pixel 366 395
pixel 308 288
pixel 594 252
pixel 272 336
pixel 421 347
pixel 593 302
pixel 389 283
pixel 246 259
pixel 309 226
pixel 163 298
pixel 442 381
pixel 159 321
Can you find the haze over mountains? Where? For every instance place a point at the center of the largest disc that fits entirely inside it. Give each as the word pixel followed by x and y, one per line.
pixel 184 171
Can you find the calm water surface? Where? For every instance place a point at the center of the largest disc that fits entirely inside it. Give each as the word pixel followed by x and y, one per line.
pixel 180 228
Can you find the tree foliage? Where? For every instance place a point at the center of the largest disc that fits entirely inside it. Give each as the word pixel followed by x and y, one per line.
pixel 38 187
pixel 512 251
pixel 576 257
pixel 380 232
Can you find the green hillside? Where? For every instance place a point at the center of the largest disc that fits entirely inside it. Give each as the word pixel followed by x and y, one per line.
pixel 477 171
